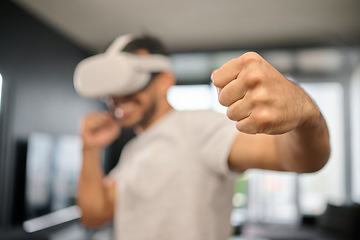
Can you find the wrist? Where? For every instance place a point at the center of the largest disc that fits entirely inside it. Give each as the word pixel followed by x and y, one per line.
pixel 91 149
pixel 312 118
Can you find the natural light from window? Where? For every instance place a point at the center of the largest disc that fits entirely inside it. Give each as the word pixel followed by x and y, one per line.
pixel 327 185
pixel 195 97
pixel 355 134
pixel 190 97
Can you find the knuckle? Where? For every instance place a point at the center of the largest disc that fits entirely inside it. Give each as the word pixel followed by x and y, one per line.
pixel 231 113
pixel 263 119
pixel 222 101
pixel 250 58
pixel 224 98
pixel 261 96
pixel 245 128
pixel 253 77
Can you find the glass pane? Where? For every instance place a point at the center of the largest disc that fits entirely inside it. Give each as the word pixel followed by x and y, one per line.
pixel 190 67
pixel 272 197
pixel 327 185
pixel 190 97
pixel 355 131
pixel 52 169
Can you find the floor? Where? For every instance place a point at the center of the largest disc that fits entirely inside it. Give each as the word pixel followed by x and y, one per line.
pixel 76 231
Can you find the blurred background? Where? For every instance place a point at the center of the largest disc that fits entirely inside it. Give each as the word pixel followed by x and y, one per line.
pixel 314 43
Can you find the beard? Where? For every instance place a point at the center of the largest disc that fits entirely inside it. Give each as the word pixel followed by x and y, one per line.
pixel 148 113
pixel 145 109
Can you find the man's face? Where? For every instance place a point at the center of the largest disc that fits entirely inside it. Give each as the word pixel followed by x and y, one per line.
pixel 136 109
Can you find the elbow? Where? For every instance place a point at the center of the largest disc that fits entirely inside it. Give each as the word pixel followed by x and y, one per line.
pixel 310 169
pixel 322 160
pixel 315 163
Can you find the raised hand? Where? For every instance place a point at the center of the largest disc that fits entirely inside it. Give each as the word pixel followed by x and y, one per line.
pixel 260 98
pixel 99 129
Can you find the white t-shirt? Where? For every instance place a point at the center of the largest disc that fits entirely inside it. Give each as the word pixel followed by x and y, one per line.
pixel 174 181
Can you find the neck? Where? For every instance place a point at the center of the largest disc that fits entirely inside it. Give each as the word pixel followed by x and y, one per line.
pixel 161 112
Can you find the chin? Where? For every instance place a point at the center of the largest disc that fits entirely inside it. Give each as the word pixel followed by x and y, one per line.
pixel 128 123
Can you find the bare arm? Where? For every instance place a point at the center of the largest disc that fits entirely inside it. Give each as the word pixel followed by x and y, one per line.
pixel 281 128
pixel 96 193
pixel 300 150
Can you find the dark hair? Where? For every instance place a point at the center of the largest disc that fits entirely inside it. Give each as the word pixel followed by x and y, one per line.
pixel 150 43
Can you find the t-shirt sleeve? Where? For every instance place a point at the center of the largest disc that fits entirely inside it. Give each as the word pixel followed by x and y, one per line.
pixel 116 172
pixel 215 136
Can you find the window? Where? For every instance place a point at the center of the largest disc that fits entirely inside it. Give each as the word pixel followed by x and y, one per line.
pixel 272 197
pixel 327 185
pixel 195 97
pixel 52 168
pixel 190 97
pixel 322 73
pixel 355 134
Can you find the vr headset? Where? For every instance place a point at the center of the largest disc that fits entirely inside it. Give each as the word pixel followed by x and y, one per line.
pixel 117 73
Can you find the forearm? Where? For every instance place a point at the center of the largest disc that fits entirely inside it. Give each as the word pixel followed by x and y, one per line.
pixel 92 197
pixel 306 148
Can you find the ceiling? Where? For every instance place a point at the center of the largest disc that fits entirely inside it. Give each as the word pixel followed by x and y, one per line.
pixel 195 25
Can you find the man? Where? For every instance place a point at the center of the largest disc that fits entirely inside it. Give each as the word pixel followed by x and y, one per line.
pixel 175 178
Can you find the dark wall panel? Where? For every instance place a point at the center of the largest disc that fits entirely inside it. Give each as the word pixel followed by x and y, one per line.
pixel 37 65
pixel 41 62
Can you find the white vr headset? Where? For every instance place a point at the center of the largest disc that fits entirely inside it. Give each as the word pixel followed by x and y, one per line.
pixel 117 73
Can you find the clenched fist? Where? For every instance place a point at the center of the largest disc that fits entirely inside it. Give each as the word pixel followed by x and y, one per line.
pixel 260 98
pixel 99 129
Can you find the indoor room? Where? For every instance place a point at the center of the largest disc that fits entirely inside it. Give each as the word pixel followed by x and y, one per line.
pixel 314 46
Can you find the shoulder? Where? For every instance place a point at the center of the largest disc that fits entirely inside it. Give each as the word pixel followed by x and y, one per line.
pixel 200 115
pixel 203 121
pixel 210 118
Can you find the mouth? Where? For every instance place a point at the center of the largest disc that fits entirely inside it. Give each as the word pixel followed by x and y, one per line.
pixel 118 113
pixel 124 109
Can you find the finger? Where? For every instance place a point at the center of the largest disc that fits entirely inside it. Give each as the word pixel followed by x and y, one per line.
pixel 230 70
pixel 96 121
pixel 226 73
pixel 260 120
pixel 232 92
pixel 239 110
pixel 252 113
pixel 246 127
pixel 251 125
